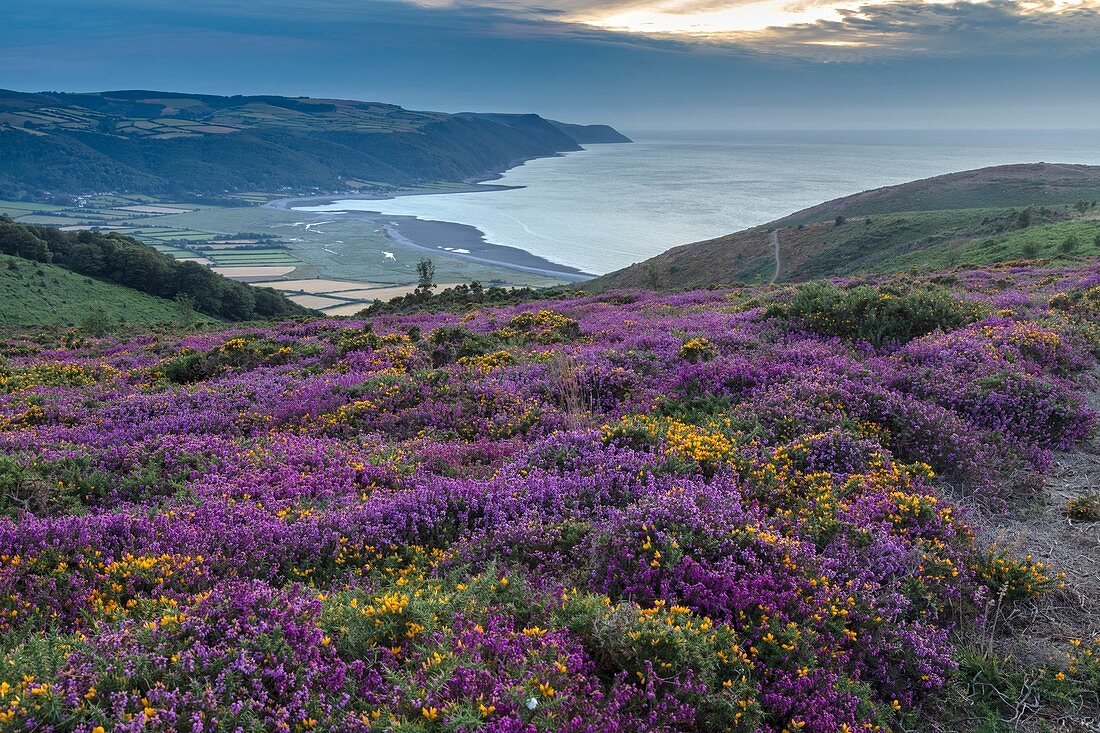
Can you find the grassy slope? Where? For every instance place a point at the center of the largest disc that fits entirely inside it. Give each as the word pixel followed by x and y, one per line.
pixel 965 218
pixel 1025 184
pixel 38 294
pixel 1042 241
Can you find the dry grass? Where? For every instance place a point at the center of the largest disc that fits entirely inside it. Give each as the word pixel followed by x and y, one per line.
pixel 321 285
pixel 319 301
pixel 271 271
pixel 1036 633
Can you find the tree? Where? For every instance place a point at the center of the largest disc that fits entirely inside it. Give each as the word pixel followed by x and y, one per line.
pixel 21 242
pixel 425 272
pixel 186 307
pixel 1069 244
pixel 1023 219
pixel 97 321
pixel 840 220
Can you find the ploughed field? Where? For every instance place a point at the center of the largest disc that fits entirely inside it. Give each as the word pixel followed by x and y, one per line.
pixel 721 510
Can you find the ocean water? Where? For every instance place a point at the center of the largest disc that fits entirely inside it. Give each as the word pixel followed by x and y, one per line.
pixel 608 206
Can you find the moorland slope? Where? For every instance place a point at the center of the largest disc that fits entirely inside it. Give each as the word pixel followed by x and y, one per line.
pixel 975 217
pixel 743 510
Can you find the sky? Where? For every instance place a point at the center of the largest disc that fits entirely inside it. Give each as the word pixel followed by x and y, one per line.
pixel 637 64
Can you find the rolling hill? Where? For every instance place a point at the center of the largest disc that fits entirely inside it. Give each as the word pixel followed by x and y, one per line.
pixel 167 143
pixel 970 218
pixel 118 260
pixel 42 294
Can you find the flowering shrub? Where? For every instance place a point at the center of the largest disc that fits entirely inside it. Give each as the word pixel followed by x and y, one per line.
pixel 698 349
pixel 1013 578
pixel 890 314
pixel 1084 508
pixel 630 513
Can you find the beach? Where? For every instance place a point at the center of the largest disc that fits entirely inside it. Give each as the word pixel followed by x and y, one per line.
pixel 441 238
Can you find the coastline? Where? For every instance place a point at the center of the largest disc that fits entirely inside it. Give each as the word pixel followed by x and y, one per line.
pixel 450 239
pixel 472 186
pixel 442 238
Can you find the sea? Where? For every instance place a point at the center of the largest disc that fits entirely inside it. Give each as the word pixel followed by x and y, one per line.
pixel 608 206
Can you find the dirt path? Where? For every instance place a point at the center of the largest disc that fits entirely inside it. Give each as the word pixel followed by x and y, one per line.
pixel 1067 545
pixel 773 239
pixel 1039 631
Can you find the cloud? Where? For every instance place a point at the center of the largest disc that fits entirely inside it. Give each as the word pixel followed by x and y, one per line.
pixel 994 28
pixel 822 29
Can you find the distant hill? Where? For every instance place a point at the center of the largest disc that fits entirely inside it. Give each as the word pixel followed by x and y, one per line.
pixel 123 261
pixel 586 134
pixel 970 218
pixel 41 294
pixel 174 144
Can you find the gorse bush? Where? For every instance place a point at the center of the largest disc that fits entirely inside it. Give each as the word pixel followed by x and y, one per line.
pixel 1084 508
pixel 878 315
pixel 236 354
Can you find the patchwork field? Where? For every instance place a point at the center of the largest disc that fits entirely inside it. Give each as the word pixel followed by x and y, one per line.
pixel 255 244
pixel 341 297
pixel 253 273
pixel 321 285
pixel 148 221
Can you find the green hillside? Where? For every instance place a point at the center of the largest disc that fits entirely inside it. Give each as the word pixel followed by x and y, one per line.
pixel 1079 237
pixel 172 144
pixel 41 294
pixel 121 260
pixel 1019 185
pixel 971 218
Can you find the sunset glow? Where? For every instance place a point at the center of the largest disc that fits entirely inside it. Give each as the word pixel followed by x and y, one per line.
pixel 703 20
pixel 753 16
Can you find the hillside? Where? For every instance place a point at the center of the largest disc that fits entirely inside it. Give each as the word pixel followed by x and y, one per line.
pixel 41 294
pixel 970 218
pixel 1024 184
pixel 166 143
pixel 124 261
pixel 738 511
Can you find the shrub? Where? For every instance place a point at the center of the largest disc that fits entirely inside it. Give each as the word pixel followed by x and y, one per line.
pixel 697 350
pixel 451 343
pixel 878 315
pixel 97 321
pixel 1085 508
pixel 239 353
pixel 544 327
pixel 1012 578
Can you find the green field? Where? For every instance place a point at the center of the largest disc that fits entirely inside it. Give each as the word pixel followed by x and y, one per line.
pixel 35 294
pixel 16 209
